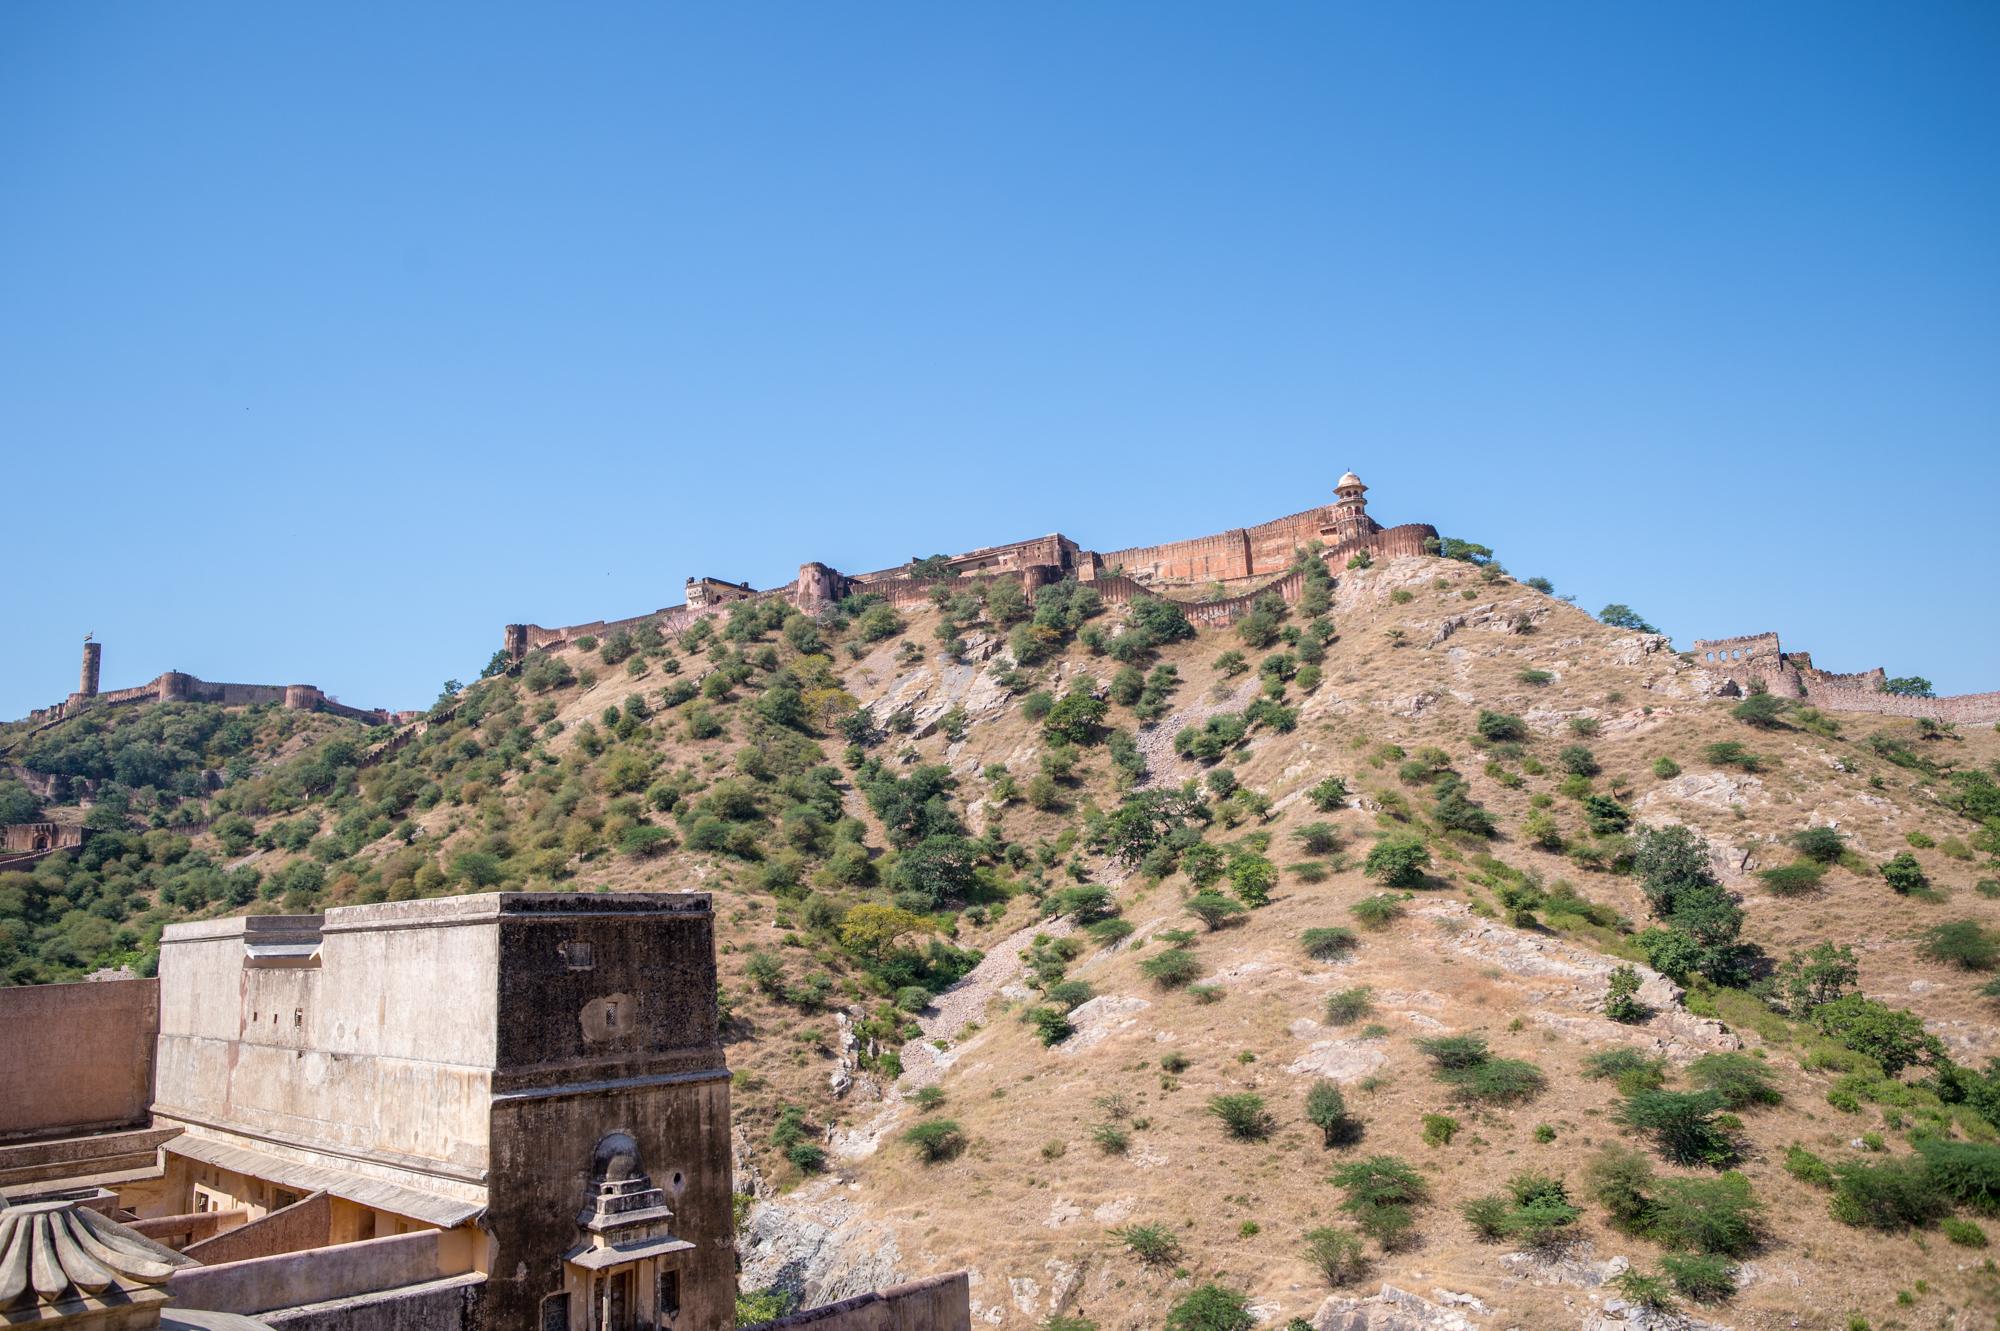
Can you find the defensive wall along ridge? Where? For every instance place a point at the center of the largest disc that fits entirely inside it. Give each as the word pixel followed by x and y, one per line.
pixel 1757 660
pixel 178 686
pixel 1246 562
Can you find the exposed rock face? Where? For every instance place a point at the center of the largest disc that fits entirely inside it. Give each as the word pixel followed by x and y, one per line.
pixel 1395 1310
pixel 1341 1060
pixel 1101 1016
pixel 1580 980
pixel 1714 790
pixel 815 1244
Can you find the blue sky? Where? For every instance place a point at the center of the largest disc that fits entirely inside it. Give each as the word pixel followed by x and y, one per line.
pixel 334 337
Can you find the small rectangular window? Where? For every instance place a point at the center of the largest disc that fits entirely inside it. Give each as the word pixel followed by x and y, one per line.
pixel 555 1312
pixel 577 956
pixel 670 1293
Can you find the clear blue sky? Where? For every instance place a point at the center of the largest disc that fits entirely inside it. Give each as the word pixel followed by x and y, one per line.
pixel 333 337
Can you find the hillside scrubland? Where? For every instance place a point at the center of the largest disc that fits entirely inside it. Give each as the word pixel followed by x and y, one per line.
pixel 1427 932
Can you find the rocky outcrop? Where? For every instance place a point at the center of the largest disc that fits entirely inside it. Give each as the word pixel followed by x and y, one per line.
pixel 1580 980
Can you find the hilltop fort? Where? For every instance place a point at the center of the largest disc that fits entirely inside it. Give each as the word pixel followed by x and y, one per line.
pixel 1233 568
pixel 178 686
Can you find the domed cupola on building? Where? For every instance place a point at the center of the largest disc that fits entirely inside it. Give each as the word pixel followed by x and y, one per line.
pixel 1349 515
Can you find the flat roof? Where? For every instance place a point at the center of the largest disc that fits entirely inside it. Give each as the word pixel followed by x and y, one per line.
pixel 433 1208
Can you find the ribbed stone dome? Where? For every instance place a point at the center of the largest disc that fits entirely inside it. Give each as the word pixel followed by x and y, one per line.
pixel 53 1248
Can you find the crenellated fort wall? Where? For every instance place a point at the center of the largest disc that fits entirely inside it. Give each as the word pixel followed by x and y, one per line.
pixel 1757 659
pixel 1247 562
pixel 178 686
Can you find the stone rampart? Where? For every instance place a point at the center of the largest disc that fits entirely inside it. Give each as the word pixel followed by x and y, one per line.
pixel 370 1267
pixel 1758 659
pixel 1959 709
pixel 79 1056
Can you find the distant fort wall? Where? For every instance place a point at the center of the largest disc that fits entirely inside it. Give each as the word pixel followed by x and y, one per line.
pixel 178 686
pixel 1758 660
pixel 1243 564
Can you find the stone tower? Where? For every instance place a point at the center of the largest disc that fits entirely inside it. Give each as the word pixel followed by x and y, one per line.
pixel 93 655
pixel 1350 510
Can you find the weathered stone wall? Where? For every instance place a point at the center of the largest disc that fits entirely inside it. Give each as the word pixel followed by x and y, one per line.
pixel 1758 658
pixel 378 1058
pixel 1232 557
pixel 41 836
pixel 940 1303
pixel 456 1303
pixel 627 1044
pixel 288 1280
pixel 79 1057
pixel 476 1048
pixel 306 1223
pixel 1959 709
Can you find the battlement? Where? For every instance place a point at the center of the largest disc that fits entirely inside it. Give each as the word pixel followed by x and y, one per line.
pixel 178 686
pixel 1245 563
pixel 1758 661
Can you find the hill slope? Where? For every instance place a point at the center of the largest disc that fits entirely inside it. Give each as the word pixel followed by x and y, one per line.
pixel 1010 798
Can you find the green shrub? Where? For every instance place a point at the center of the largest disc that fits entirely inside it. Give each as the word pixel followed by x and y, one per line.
pixel 1683 1124
pixel 1378 911
pixel 1214 909
pixel 1535 1211
pixel 1111 1139
pixel 1173 968
pixel 936 1139
pixel 1622 1181
pixel 1454 1052
pixel 1348 1006
pixel 1903 874
pixel 1962 943
pixel 1806 1167
pixel 1380 1192
pixel 1666 768
pixel 1051 1024
pixel 1823 845
pixel 1211 1308
pixel 1969 1172
pixel 1335 1254
pixel 1328 795
pixel 1326 1109
pixel 1439 1129
pixel 1892 1195
pixel 1741 1081
pixel 1243 1115
pixel 1154 1245
pixel 1500 727
pixel 1631 1069
pixel 1762 710
pixel 1621 997
pixel 1328 944
pixel 1715 1215
pixel 1964 1233
pixel 1502 1081
pixel 1578 760
pixel 1794 879
pixel 1653 1293
pixel 1700 1275
pixel 1398 861
pixel 1318 838
pixel 1729 753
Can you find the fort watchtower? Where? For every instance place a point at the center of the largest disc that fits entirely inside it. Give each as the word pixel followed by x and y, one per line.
pixel 93 657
